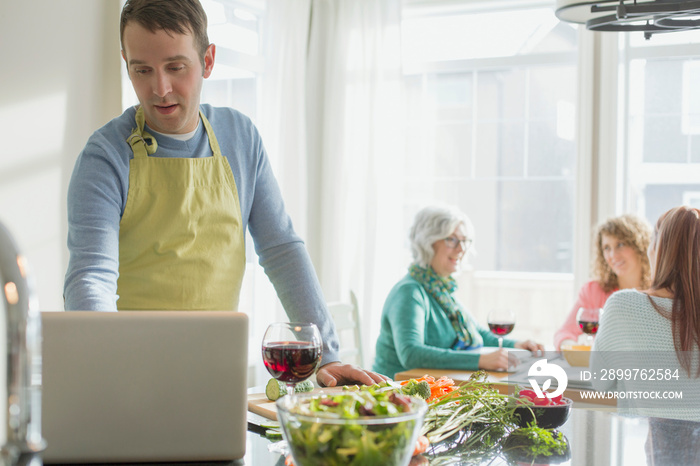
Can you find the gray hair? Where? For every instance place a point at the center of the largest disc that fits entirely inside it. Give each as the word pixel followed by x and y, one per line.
pixel 432 224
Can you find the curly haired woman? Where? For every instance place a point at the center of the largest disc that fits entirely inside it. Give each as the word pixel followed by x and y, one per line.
pixel 620 263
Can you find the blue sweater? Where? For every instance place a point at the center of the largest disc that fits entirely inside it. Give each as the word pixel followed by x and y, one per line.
pixel 415 332
pixel 97 197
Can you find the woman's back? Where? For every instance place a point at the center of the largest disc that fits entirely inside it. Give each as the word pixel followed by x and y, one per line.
pixel 634 356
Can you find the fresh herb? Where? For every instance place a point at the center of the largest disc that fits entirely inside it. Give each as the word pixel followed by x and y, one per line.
pixel 536 441
pixel 479 446
pixel 472 404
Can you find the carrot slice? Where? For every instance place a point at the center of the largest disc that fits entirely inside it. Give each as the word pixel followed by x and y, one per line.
pixel 422 443
pixel 426 377
pixel 438 388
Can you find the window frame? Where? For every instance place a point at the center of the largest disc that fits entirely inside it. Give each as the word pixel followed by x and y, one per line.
pixel 554 289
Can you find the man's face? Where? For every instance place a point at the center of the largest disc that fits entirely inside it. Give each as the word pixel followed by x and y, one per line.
pixel 167 75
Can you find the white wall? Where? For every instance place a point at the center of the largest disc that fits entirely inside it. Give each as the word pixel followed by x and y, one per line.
pixel 59 70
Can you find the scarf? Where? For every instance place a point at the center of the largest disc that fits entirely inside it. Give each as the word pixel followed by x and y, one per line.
pixel 441 290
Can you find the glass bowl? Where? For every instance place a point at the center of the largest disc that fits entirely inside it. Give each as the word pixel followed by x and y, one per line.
pixel 319 438
pixel 546 417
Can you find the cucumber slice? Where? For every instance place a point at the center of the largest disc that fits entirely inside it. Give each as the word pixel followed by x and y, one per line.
pixel 273 434
pixel 274 390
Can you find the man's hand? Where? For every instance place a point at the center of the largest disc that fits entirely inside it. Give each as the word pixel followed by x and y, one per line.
pixel 337 373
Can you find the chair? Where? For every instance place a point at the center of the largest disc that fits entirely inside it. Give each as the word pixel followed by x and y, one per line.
pixel 346 317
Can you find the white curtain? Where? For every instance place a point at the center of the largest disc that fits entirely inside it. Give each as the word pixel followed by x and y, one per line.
pixel 282 124
pixel 283 101
pixel 338 159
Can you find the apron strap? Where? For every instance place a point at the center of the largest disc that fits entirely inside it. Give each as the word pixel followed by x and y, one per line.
pixel 143 144
pixel 213 143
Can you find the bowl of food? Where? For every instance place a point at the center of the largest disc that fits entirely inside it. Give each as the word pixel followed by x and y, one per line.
pixel 352 427
pixel 577 355
pixel 547 413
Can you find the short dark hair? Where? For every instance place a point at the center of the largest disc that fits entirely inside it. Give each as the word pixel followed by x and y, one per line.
pixel 172 16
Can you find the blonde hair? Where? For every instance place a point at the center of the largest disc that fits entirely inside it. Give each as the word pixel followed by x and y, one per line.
pixel 634 232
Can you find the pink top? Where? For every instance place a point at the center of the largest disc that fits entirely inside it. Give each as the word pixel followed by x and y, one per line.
pixel 590 295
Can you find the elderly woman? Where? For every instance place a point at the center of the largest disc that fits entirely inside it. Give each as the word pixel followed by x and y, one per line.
pixel 620 263
pixel 422 323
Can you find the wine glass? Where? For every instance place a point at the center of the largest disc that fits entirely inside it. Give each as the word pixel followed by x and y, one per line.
pixel 587 318
pixel 291 352
pixel 501 323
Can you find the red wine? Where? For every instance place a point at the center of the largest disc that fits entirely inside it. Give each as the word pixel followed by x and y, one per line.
pixel 501 329
pixel 291 361
pixel 588 327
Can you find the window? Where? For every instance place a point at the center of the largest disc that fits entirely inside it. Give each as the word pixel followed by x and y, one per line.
pixel 235 28
pixel 661 108
pixel 491 98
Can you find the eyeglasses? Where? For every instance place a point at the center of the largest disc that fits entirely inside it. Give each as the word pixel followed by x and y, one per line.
pixel 452 242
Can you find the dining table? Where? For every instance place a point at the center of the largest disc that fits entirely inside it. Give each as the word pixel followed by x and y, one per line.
pixel 595 435
pixel 594 438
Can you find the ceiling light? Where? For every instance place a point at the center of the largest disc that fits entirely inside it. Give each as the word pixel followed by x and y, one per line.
pixel 648 16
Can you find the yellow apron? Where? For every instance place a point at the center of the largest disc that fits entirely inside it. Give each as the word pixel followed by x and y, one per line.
pixel 181 239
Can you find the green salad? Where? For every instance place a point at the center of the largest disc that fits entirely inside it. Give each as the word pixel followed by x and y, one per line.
pixel 366 427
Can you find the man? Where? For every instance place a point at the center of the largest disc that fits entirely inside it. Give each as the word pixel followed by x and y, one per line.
pixel 161 196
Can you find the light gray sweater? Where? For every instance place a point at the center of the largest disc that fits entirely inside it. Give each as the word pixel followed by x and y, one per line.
pixel 635 343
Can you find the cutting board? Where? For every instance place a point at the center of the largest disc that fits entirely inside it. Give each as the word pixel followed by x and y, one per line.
pixel 259 404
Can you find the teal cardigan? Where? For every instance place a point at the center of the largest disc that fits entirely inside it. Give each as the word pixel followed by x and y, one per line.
pixel 416 332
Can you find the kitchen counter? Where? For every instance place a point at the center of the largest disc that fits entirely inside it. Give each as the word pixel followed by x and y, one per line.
pixel 596 437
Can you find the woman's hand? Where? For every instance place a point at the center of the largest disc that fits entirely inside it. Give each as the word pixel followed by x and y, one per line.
pixel 498 360
pixel 536 348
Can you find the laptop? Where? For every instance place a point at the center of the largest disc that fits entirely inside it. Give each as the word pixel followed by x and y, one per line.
pixel 144 386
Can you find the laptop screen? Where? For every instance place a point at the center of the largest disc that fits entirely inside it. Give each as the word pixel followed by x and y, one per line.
pixel 134 386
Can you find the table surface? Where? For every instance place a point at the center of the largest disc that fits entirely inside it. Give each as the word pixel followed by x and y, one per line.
pixel 596 436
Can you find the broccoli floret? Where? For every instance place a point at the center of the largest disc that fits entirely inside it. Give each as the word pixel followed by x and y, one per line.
pixel 421 389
